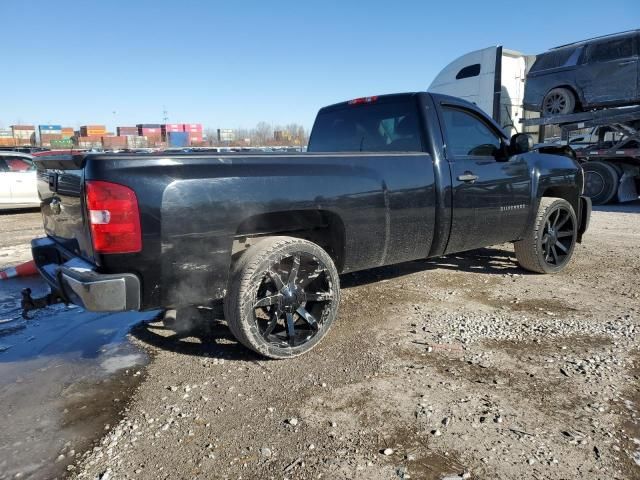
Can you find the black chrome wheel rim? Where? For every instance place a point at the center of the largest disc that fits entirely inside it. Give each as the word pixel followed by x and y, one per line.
pixel 558 237
pixel 593 184
pixel 293 300
pixel 555 104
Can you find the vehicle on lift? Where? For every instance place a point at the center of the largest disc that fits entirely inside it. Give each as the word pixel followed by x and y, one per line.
pixel 387 179
pixel 596 73
pixel 506 84
pixel 609 153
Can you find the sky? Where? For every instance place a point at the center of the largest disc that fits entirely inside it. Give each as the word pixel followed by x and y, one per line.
pixel 235 63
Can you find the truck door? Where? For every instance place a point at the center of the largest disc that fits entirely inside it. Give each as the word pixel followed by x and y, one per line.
pixel 491 195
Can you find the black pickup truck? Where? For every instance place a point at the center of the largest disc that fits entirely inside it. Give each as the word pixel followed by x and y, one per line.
pixel 386 179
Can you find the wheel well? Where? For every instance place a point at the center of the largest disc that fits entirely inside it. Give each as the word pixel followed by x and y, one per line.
pixel 321 227
pixel 570 194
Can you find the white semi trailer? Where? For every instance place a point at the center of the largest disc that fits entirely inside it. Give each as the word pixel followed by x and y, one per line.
pixel 492 78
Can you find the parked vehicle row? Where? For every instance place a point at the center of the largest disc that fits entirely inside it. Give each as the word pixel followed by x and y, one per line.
pixel 18 184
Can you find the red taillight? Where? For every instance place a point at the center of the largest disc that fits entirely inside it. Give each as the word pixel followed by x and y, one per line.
pixel 359 101
pixel 114 217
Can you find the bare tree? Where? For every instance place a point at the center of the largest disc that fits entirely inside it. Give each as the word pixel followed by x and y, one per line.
pixel 212 136
pixel 263 133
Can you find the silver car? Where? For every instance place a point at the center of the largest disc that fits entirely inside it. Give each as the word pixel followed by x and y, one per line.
pixel 18 182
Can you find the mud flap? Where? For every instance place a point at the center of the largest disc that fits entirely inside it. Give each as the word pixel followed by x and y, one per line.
pixel 584 216
pixel 627 191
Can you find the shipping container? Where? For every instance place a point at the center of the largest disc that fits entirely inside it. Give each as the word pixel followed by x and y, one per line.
pixel 4 133
pixel 49 127
pixel 178 139
pixel 90 139
pixel 135 141
pixel 149 125
pixel 124 131
pixel 114 141
pixel 62 143
pixel 67 132
pixel 93 130
pixel 23 127
pixel 197 127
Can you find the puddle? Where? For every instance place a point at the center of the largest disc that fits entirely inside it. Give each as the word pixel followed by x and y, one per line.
pixel 64 375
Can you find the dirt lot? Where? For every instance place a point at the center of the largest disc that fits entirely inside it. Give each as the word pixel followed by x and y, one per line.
pixel 458 367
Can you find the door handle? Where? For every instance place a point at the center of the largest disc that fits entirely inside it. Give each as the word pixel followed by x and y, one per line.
pixel 468 177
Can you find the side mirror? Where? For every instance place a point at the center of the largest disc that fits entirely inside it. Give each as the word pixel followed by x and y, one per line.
pixel 520 143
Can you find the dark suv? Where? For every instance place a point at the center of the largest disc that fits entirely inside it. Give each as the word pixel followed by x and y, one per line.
pixel 595 73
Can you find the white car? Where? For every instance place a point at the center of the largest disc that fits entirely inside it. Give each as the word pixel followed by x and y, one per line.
pixel 18 181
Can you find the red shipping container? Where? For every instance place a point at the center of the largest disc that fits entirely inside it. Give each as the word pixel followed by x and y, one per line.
pixel 150 131
pixel 192 127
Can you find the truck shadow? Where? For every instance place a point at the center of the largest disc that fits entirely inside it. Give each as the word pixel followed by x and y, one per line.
pixel 204 333
pixel 628 207
pixel 487 261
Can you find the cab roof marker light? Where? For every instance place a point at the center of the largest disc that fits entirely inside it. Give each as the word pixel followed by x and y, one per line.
pixel 361 100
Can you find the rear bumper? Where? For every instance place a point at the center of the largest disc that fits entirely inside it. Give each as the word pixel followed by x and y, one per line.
pixel 77 281
pixel 584 216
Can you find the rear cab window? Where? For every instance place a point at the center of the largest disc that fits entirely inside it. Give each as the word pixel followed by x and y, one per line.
pixel 368 125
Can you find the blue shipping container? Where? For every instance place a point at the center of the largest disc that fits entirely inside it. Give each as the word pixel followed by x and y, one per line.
pixel 50 127
pixel 179 139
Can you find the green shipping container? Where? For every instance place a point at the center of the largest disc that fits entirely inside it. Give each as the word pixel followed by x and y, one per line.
pixel 62 143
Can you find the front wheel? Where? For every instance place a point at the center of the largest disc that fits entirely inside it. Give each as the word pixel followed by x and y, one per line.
pixel 283 297
pixel 548 244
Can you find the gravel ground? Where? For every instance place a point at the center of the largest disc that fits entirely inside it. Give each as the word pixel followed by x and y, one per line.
pixel 457 367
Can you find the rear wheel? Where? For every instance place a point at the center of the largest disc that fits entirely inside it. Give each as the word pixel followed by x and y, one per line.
pixel 600 182
pixel 548 244
pixel 283 297
pixel 559 101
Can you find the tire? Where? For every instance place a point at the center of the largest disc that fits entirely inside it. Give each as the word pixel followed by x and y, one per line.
pixel 549 243
pixel 558 101
pixel 601 181
pixel 268 305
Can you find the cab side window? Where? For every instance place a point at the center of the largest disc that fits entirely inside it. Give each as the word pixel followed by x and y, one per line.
pixel 467 135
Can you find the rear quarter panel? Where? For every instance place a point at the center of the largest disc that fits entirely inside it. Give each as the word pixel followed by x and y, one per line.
pixel 191 209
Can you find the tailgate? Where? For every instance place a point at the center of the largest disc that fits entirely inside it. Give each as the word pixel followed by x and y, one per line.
pixel 60 186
